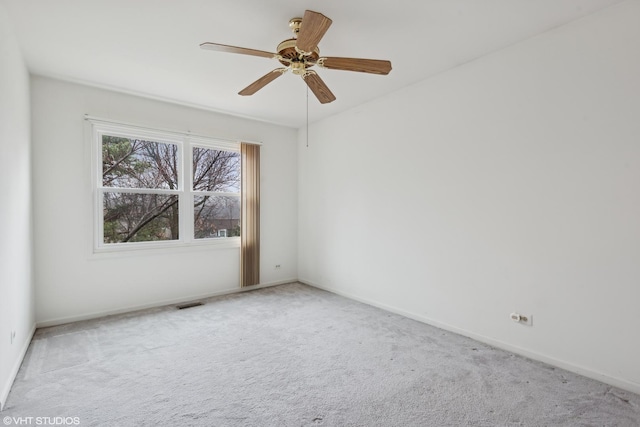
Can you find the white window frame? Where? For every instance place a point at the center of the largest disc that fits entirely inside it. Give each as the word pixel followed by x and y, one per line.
pixel 185 192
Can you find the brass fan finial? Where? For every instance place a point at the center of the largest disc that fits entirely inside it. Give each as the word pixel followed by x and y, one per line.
pixel 295 24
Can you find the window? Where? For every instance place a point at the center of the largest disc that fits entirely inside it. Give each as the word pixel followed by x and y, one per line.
pixel 158 188
pixel 216 187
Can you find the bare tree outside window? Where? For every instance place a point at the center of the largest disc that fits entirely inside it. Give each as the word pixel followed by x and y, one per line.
pixel 152 212
pixel 216 209
pixel 214 214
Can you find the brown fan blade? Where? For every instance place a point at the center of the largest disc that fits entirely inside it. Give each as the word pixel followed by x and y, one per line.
pixel 314 26
pixel 235 49
pixel 262 82
pixel 374 66
pixel 318 87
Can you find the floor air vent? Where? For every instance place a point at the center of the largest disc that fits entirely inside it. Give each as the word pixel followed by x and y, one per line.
pixel 188 305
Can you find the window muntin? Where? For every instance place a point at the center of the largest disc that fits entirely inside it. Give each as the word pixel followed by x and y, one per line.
pixel 155 189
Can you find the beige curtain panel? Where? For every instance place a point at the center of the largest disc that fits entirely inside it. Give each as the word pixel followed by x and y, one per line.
pixel 250 232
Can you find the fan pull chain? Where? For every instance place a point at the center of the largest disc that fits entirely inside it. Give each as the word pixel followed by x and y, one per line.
pixel 307 116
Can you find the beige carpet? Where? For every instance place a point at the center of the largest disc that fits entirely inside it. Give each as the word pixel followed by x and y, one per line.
pixel 295 356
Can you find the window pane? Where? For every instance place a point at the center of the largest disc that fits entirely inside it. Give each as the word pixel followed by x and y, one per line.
pixel 215 170
pixel 135 217
pixel 136 163
pixel 216 216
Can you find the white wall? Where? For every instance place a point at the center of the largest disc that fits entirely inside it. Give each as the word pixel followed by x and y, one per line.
pixel 16 284
pixel 71 282
pixel 511 183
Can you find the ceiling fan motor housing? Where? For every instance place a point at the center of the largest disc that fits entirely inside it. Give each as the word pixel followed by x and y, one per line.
pixel 287 50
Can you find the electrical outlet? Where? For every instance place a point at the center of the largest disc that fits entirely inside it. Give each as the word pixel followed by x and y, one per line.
pixel 524 319
pixel 277 266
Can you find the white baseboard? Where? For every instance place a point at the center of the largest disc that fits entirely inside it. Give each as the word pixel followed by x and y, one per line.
pixel 571 367
pixel 16 367
pixel 155 304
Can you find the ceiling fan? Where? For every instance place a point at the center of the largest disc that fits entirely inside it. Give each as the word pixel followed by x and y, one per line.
pixel 300 53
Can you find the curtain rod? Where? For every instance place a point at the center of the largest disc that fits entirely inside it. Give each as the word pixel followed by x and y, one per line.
pixel 172 131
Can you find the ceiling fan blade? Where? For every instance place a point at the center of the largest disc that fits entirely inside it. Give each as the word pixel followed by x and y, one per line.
pixel 318 87
pixel 314 26
pixel 235 49
pixel 374 66
pixel 262 82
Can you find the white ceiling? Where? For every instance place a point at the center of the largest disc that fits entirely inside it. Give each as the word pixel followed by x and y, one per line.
pixel 151 47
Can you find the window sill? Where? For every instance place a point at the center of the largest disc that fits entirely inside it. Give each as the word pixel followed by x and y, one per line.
pixel 161 248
